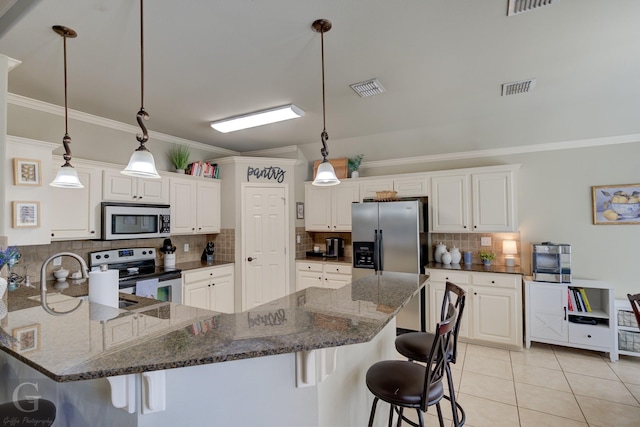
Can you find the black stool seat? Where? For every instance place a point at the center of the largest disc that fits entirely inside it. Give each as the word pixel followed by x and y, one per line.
pixel 29 412
pixel 417 345
pixel 401 383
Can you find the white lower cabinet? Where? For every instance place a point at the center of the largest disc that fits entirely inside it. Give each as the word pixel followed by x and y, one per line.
pixel 211 288
pixel 493 308
pixel 550 319
pixel 322 275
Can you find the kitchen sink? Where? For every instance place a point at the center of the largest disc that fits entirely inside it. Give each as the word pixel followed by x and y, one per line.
pixel 123 303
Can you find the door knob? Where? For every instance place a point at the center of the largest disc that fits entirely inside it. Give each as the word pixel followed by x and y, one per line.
pixel 251 259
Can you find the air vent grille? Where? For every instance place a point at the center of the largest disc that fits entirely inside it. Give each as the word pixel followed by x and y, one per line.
pixel 368 88
pixel 520 6
pixel 522 86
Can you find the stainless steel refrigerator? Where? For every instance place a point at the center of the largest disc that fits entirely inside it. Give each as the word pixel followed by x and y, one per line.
pixel 390 236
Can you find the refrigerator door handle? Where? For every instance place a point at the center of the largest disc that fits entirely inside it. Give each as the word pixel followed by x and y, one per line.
pixel 380 257
pixel 376 261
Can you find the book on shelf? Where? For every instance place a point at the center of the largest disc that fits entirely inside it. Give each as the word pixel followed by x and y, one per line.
pixel 576 299
pixel 569 302
pixel 585 300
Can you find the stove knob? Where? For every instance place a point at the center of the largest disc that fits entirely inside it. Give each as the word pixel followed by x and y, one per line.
pixel 151 252
pixel 98 256
pixel 106 256
pixel 144 252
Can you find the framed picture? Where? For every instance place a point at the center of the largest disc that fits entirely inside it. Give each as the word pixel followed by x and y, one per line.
pixel 616 204
pixel 27 337
pixel 26 214
pixel 299 210
pixel 26 172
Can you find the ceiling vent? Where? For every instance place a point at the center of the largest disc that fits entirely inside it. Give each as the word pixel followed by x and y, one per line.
pixel 368 88
pixel 514 88
pixel 520 6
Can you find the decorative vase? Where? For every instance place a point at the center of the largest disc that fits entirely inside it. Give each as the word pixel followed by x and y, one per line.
pixel 487 263
pixel 355 174
pixel 180 171
pixel 446 258
pixel 456 256
pixel 440 249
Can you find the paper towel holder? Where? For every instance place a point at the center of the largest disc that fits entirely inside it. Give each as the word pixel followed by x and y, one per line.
pixel 43 281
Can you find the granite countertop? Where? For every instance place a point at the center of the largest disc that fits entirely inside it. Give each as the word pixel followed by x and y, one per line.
pixel 192 265
pixel 339 260
pixel 155 335
pixel 479 268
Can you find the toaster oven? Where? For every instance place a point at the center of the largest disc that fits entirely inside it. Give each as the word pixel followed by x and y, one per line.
pixel 551 262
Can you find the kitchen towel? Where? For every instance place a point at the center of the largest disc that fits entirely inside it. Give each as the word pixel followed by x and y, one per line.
pixel 147 288
pixel 103 287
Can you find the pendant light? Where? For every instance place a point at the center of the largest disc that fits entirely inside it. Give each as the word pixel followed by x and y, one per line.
pixel 67 177
pixel 325 175
pixel 141 163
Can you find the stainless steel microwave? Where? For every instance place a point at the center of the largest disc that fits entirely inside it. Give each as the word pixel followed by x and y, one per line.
pixel 551 262
pixel 135 221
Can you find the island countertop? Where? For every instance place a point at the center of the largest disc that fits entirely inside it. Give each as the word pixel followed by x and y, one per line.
pixel 86 344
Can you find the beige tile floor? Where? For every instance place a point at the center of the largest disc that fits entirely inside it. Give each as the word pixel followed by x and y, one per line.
pixel 543 386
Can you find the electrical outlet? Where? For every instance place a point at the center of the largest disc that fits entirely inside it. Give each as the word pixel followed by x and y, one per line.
pixel 485 241
pixel 186 247
pixel 57 260
pixel 298 239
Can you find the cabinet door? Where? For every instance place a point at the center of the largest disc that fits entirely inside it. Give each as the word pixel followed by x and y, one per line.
pixel 152 190
pixel 208 207
pixel 343 195
pixel 317 208
pixel 436 295
pixel 369 188
pixel 492 201
pixel 197 294
pixel 495 317
pixel 547 311
pixel 449 195
pixel 118 187
pixel 223 289
pixel 83 220
pixel 335 280
pixel 411 187
pixel 307 279
pixel 183 206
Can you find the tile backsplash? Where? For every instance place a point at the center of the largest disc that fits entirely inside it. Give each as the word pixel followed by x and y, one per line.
pixel 33 256
pixel 473 242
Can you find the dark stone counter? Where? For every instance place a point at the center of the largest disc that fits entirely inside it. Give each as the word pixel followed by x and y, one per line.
pixel 153 335
pixel 479 268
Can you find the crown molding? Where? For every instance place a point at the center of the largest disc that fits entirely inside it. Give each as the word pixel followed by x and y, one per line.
pixel 18 140
pixel 495 152
pixel 13 63
pixel 272 151
pixel 45 107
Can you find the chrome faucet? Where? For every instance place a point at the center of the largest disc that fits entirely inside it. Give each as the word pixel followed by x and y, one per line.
pixel 43 281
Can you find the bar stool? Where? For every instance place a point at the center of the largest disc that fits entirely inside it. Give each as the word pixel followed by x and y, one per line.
pixel 406 384
pixel 635 305
pixel 29 412
pixel 417 346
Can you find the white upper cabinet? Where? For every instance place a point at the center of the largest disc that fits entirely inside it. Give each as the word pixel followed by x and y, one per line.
pixel 119 187
pixel 195 205
pixel 408 186
pixel 329 208
pixel 474 201
pixel 76 212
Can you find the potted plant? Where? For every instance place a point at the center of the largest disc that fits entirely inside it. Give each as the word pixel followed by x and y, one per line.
pixel 486 257
pixel 353 163
pixel 180 157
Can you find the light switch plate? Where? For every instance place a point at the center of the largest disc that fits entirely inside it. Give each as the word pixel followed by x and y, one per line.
pixel 186 247
pixel 485 241
pixel 57 260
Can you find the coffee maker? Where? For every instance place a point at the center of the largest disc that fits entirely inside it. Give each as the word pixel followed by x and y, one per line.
pixel 335 247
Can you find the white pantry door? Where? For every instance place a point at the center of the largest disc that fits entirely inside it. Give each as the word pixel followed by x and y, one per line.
pixel 265 239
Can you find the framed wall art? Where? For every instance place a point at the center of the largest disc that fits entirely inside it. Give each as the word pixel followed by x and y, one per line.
pixel 616 204
pixel 27 337
pixel 26 214
pixel 26 172
pixel 299 210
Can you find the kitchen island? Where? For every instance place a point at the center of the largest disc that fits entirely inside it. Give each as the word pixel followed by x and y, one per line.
pixel 299 360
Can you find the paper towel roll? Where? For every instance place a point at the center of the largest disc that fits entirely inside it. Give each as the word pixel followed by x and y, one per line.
pixel 103 287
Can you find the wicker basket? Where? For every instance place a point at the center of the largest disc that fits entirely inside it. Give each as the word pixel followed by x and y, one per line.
pixel 385 196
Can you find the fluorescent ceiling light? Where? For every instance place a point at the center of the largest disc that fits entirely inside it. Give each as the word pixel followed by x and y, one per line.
pixel 258 118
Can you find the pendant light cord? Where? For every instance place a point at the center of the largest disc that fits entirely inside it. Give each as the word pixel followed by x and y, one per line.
pixel 66 139
pixel 324 136
pixel 142 114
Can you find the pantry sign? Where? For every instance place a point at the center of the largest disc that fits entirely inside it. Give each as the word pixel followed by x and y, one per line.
pixel 272 173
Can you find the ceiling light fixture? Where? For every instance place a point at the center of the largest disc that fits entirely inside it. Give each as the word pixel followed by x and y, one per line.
pixel 258 118
pixel 141 163
pixel 325 175
pixel 67 177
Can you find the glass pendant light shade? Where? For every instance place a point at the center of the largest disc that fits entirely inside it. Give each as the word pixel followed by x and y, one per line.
pixel 67 177
pixel 326 176
pixel 141 165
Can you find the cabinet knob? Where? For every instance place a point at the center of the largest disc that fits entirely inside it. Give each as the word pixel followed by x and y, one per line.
pixel 475 293
pixel 309 267
pixel 464 226
pixel 52 234
pixel 140 197
pixel 493 281
pixel 588 336
pixel 475 226
pixel 193 229
pixel 251 259
pixel 93 232
pixel 329 227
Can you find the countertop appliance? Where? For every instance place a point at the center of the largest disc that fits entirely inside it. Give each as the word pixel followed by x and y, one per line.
pixel 390 236
pixel 135 221
pixel 136 264
pixel 551 262
pixel 335 247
